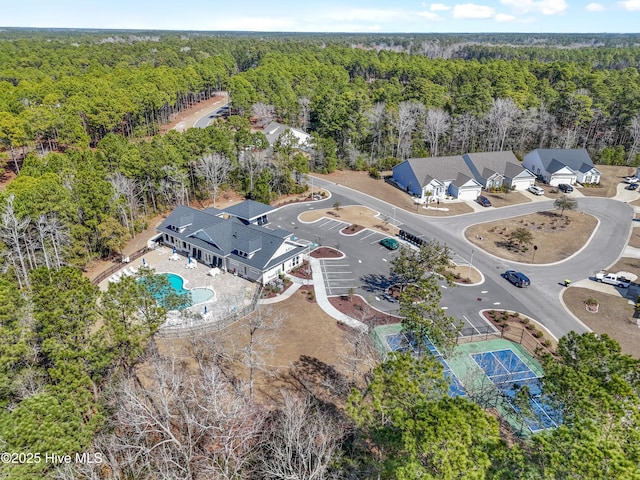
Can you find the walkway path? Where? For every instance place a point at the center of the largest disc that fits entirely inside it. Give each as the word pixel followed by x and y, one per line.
pixel 323 301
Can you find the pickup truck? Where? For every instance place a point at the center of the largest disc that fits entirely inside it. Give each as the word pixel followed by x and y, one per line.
pixel 613 279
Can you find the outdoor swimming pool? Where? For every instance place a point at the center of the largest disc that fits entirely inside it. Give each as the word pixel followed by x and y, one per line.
pixel 198 295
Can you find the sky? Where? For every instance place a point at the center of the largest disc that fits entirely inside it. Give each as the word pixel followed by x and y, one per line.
pixel 350 16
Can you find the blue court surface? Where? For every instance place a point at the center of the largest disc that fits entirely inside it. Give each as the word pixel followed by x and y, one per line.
pixel 398 342
pixel 510 375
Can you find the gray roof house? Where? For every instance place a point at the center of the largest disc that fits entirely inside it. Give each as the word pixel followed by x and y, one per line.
pixel 434 178
pixel 497 169
pixel 558 165
pixel 220 239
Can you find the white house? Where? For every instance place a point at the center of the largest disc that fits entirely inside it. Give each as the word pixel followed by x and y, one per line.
pixel 434 178
pixel 557 165
pixel 498 169
pixel 234 239
pixel 274 130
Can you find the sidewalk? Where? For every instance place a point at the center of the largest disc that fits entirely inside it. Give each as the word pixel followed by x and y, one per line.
pixel 280 298
pixel 323 301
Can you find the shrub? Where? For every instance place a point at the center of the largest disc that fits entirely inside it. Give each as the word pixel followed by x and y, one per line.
pixel 525 320
pixel 538 334
pixel 547 343
pixel 591 301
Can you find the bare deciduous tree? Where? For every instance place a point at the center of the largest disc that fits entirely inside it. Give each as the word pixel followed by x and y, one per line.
pixel 304 103
pixel 377 118
pixel 300 443
pixel 263 113
pixel 127 196
pixel 409 115
pixel 178 423
pixel 634 129
pixel 436 123
pixel 12 233
pixel 214 168
pixel 500 119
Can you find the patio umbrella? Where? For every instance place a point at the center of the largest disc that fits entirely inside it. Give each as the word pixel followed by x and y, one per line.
pixel 205 309
pixel 144 262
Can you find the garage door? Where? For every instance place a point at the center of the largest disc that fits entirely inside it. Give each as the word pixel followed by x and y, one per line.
pixel 557 180
pixel 522 184
pixel 468 194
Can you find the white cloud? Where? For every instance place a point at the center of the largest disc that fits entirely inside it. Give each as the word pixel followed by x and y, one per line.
pixel 594 7
pixel 439 7
pixel 546 7
pixel 631 5
pixel 471 10
pixel 503 17
pixel 429 16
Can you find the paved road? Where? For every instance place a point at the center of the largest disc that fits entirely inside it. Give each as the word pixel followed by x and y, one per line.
pixel 215 112
pixel 368 265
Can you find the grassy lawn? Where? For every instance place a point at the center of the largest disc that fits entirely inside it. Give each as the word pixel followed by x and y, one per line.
pixel 557 237
pixel 609 180
pixel 615 317
pixel 506 199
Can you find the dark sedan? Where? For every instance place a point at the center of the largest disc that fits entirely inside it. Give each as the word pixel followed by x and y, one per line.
pixel 484 201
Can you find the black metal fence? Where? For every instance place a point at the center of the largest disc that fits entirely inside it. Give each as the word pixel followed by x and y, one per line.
pixel 214 325
pixel 117 266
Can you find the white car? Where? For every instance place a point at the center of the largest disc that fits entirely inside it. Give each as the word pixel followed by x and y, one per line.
pixel 536 190
pixel 631 179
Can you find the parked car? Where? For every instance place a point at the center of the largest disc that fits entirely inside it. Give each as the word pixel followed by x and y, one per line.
pixel 517 278
pixel 565 187
pixel 536 190
pixel 390 298
pixel 631 179
pixel 484 201
pixel 613 279
pixel 633 186
pixel 390 243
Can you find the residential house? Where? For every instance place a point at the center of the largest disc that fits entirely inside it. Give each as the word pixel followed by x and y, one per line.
pixel 499 169
pixel 274 130
pixel 237 244
pixel 556 166
pixel 434 178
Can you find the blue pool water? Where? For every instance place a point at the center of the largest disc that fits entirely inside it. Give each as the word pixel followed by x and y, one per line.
pixel 198 295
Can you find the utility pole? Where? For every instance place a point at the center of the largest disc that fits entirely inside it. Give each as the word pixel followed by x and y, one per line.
pixel 470 265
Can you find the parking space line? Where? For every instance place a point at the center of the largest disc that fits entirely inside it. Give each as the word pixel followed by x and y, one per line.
pixel 368 235
pixel 336 225
pixel 326 222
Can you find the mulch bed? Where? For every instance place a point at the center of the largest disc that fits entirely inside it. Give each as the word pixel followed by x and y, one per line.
pixel 303 271
pixel 326 252
pixel 309 293
pixel 352 229
pixel 360 310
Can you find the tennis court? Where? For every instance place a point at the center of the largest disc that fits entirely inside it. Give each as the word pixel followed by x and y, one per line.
pixel 510 375
pixel 398 342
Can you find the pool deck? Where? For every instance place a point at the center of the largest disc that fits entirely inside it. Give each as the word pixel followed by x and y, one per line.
pixel 231 293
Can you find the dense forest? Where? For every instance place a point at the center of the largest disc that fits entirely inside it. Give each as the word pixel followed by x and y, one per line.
pixel 80 121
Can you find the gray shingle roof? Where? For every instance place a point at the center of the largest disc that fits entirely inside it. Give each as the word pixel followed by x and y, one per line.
pixel 249 210
pixel 440 168
pixel 485 164
pixel 227 236
pixel 576 159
